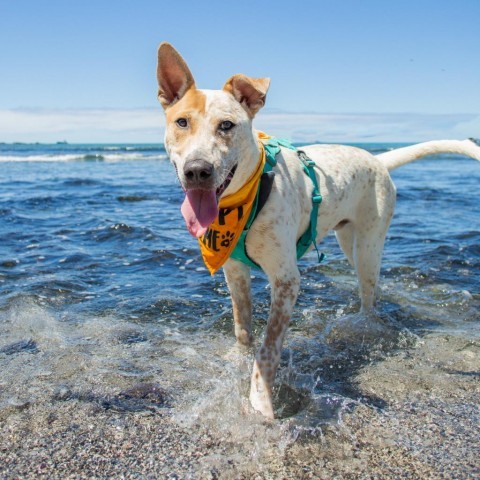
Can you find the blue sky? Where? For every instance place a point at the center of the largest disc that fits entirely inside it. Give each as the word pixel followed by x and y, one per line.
pixel 345 70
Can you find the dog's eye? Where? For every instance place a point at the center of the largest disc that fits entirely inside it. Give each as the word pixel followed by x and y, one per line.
pixel 182 122
pixel 226 125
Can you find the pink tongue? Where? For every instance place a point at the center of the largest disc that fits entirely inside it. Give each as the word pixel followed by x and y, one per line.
pixel 199 209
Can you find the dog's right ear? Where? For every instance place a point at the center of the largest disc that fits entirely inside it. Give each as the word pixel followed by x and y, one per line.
pixel 173 75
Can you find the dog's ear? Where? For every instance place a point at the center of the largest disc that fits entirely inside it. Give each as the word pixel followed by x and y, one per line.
pixel 173 75
pixel 249 92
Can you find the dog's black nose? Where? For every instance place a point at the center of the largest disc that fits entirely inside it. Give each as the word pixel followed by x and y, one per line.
pixel 198 170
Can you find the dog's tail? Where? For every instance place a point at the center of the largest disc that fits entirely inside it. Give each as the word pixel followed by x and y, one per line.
pixel 402 156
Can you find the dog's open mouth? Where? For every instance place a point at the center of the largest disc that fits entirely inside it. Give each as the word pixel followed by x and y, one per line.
pixel 227 182
pixel 200 207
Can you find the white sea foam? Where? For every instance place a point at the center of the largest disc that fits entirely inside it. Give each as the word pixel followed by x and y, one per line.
pixel 72 157
pixel 41 158
pixel 131 156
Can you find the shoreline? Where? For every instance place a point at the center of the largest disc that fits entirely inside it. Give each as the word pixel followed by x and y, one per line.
pixel 428 428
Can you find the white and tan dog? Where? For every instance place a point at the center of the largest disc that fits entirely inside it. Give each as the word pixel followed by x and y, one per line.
pixel 211 142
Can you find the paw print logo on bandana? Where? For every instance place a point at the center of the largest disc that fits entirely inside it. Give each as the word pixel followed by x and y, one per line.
pixel 227 238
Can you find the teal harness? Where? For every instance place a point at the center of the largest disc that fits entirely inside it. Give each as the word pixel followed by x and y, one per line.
pixel 272 149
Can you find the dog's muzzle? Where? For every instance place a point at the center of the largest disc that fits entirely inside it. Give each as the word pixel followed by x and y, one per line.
pixel 198 174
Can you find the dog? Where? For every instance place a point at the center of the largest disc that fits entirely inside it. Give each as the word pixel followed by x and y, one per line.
pixel 211 142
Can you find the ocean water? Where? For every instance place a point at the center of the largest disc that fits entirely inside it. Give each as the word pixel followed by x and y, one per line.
pixel 102 289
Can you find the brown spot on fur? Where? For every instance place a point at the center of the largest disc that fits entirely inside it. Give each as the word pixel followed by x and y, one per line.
pixel 192 107
pixel 284 285
pixel 275 329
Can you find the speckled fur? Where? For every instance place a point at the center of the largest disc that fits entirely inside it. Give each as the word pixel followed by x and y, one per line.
pixel 358 203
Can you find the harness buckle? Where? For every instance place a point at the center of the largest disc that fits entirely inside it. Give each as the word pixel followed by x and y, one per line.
pixel 317 198
pixel 272 161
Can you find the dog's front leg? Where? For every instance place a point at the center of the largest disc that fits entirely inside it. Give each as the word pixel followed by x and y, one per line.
pixel 238 281
pixel 285 285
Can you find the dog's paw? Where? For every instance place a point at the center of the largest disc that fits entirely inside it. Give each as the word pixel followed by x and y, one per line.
pixel 262 405
pixel 236 354
pixel 357 328
pixel 244 337
pixel 261 394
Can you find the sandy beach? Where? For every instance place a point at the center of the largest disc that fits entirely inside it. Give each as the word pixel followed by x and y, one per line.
pixel 422 423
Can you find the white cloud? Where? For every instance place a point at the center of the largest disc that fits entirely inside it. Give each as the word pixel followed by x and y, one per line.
pixel 82 125
pixel 365 127
pixel 147 125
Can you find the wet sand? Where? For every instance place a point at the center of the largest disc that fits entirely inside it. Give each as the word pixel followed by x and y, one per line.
pixel 420 421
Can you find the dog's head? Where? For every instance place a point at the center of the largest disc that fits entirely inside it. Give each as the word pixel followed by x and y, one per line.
pixel 209 135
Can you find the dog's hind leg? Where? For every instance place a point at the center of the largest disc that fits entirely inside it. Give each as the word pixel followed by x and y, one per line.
pixel 364 252
pixel 238 280
pixel 370 228
pixel 345 238
pixel 285 284
pixel 368 243
pixel 367 257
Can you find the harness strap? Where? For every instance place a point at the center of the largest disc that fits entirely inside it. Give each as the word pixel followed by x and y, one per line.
pixel 272 149
pixel 240 251
pixel 310 234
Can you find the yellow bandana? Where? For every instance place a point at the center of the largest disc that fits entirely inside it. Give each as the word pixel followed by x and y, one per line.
pixel 223 233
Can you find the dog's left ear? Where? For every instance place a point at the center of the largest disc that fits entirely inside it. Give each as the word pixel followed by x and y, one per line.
pixel 249 92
